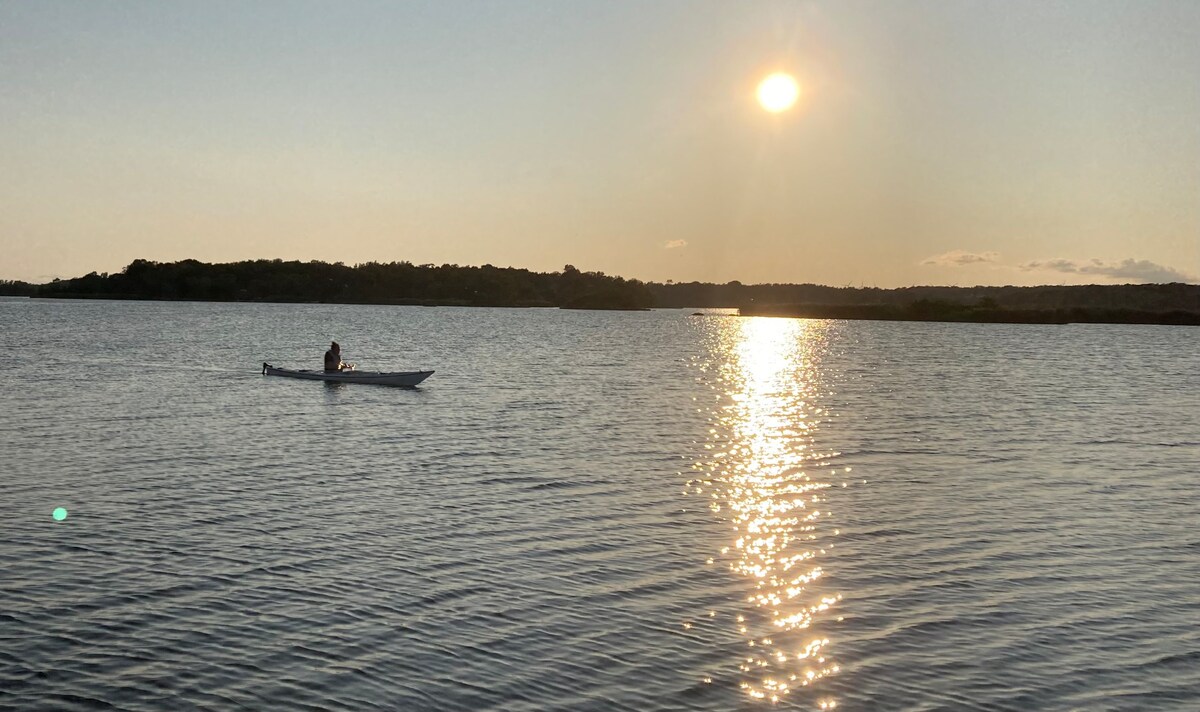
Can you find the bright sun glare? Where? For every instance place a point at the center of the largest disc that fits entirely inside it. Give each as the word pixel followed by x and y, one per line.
pixel 778 92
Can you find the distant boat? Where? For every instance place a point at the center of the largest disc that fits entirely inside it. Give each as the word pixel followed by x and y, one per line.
pixel 395 378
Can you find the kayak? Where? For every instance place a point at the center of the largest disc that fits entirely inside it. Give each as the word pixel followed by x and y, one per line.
pixel 395 378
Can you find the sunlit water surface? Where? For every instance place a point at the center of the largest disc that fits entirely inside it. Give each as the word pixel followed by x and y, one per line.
pixel 585 510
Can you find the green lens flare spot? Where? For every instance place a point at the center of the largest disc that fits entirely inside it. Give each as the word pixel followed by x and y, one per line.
pixel 60 514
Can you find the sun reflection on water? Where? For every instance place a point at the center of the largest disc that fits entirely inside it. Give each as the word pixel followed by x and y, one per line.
pixel 761 476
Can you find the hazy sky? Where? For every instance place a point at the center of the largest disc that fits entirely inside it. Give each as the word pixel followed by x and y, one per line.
pixel 934 142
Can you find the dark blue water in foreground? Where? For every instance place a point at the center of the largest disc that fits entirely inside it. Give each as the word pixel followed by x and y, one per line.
pixel 584 510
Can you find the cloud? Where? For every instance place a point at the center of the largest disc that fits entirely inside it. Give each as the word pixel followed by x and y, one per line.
pixel 675 243
pixel 958 258
pixel 1055 265
pixel 1127 269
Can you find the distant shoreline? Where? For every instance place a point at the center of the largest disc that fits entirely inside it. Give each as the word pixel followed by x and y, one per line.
pixel 393 303
pixel 396 303
pixel 394 283
pixel 963 315
pixel 406 284
pixel 958 313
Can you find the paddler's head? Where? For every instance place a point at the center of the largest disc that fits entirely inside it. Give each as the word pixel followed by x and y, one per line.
pixel 333 346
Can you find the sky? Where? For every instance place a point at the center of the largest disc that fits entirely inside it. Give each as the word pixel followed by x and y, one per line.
pixel 966 142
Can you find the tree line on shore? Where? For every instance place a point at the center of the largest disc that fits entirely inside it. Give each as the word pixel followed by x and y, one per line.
pixel 985 311
pixel 1142 297
pixel 406 283
pixel 368 283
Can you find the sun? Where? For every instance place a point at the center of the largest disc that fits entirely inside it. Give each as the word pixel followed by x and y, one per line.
pixel 778 92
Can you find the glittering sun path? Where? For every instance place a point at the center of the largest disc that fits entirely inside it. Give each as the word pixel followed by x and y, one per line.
pixel 763 477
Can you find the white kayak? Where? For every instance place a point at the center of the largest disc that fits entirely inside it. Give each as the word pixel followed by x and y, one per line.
pixel 396 378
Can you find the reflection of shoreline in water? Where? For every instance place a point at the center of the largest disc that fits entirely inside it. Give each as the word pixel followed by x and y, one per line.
pixel 758 482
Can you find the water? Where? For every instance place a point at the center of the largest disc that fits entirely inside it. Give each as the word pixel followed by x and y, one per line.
pixel 585 510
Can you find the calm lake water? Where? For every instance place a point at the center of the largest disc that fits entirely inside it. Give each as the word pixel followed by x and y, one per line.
pixel 594 511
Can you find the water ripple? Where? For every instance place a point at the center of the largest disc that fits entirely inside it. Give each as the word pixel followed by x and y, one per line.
pixel 595 511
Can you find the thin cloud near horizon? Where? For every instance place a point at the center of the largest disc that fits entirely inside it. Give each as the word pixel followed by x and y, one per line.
pixel 674 244
pixel 1129 268
pixel 957 258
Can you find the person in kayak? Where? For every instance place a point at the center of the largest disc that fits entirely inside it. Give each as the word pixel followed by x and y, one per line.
pixel 333 358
